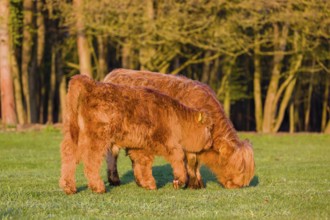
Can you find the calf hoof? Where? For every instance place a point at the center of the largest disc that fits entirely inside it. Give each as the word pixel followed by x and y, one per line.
pixel 114 182
pixel 113 178
pixel 195 184
pixel 99 188
pixel 148 186
pixel 68 188
pixel 151 186
pixel 201 184
pixel 177 184
pixel 99 191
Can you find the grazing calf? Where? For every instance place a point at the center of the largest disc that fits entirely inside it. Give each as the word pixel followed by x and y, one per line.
pixel 101 115
pixel 230 159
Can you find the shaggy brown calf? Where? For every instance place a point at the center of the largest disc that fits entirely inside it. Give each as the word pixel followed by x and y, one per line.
pixel 101 115
pixel 230 159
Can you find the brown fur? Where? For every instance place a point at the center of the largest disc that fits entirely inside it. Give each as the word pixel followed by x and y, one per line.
pixel 103 115
pixel 230 159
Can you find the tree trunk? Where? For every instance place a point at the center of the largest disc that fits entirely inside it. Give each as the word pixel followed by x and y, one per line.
pixel 214 74
pixel 325 102
pixel 292 118
pixel 257 86
pixel 26 53
pixel 126 52
pixel 84 54
pixel 51 89
pixel 206 69
pixel 41 33
pixel 145 56
pixel 299 95
pixel 270 105
pixel 7 90
pixel 33 68
pixel 224 90
pixel 18 91
pixel 40 58
pixel 290 82
pixel 327 128
pixel 0 97
pixel 147 52
pixel 308 103
pixel 62 98
pixel 43 102
pixel 164 68
pixel 226 70
pixel 226 103
pixel 61 82
pixel 102 57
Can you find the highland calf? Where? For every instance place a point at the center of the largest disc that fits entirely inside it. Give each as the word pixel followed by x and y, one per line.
pixel 230 159
pixel 103 116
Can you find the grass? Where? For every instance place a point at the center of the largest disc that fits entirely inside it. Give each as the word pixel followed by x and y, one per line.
pixel 292 182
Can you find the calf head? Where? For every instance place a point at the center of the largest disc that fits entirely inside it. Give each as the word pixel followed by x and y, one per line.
pixel 238 170
pixel 233 168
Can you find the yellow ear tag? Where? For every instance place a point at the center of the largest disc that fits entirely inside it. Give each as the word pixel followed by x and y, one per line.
pixel 200 117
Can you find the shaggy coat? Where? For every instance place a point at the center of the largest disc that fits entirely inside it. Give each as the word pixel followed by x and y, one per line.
pixel 230 159
pixel 101 115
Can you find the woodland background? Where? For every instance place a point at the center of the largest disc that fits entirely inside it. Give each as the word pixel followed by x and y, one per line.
pixel 267 61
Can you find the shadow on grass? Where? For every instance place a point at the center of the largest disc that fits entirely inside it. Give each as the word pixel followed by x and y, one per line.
pixel 164 175
pixel 254 182
pixel 81 188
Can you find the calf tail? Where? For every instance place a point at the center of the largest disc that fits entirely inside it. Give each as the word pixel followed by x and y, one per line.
pixel 78 85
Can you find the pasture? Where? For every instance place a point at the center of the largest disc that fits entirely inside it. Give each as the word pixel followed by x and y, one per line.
pixel 292 180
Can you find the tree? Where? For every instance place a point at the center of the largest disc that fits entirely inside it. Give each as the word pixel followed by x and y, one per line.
pixel 327 128
pixel 265 48
pixel 7 91
pixel 283 36
pixel 82 41
pixel 26 54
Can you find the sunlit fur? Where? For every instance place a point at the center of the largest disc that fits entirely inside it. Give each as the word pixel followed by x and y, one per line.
pixel 234 171
pixel 230 159
pixel 102 115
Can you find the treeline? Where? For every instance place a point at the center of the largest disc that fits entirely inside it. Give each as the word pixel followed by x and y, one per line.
pixel 267 61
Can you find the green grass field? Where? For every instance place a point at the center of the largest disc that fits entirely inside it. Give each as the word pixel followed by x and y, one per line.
pixel 292 181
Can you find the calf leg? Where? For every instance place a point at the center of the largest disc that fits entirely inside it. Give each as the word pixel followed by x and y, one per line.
pixel 199 176
pixel 92 159
pixel 142 166
pixel 194 176
pixel 112 157
pixel 68 167
pixel 176 158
